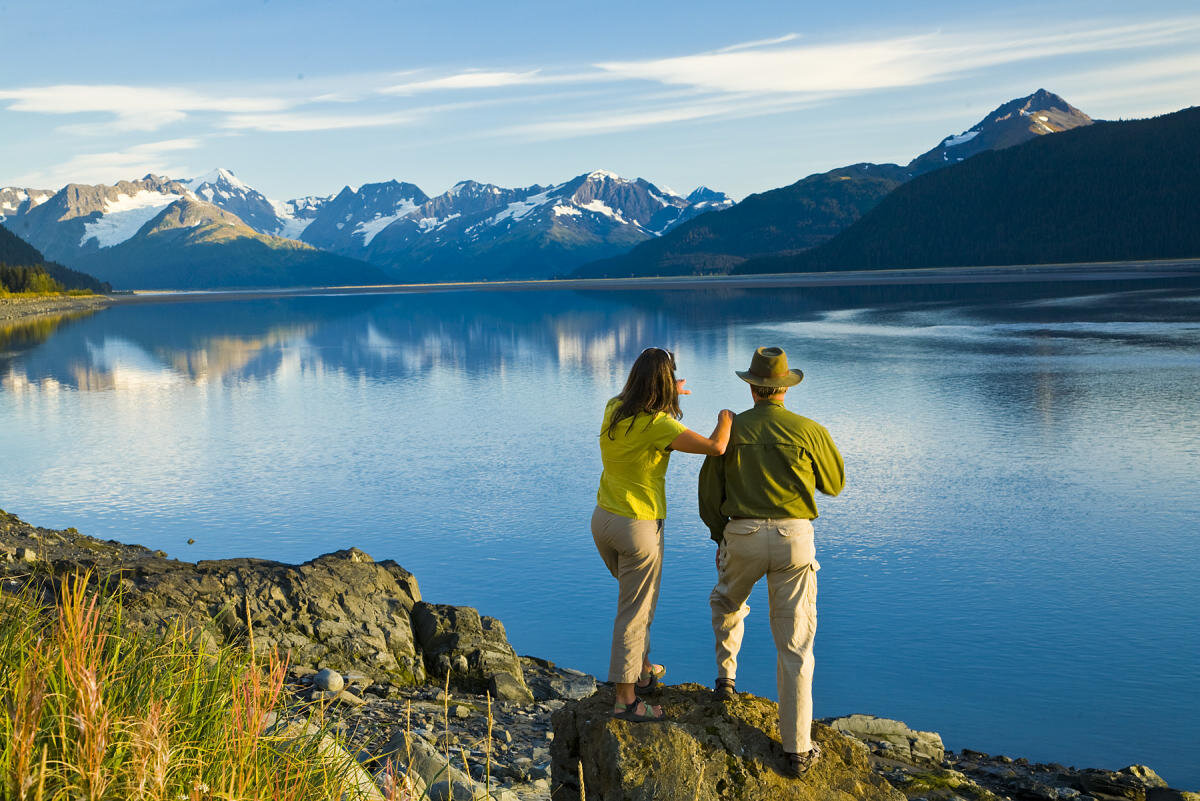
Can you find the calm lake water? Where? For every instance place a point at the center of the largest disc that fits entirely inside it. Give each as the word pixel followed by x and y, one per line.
pixel 1013 562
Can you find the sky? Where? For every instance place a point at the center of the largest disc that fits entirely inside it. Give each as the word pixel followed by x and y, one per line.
pixel 304 97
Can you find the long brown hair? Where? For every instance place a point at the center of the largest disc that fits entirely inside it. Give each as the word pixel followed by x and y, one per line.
pixel 650 389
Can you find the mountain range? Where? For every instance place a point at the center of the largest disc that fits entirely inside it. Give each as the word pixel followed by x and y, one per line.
pixel 814 209
pixel 217 231
pixel 375 233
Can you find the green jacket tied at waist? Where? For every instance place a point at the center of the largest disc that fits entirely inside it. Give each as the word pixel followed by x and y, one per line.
pixel 775 462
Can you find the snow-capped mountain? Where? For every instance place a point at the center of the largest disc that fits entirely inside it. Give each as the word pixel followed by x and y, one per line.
pixel 15 200
pixel 1011 124
pixel 193 244
pixel 473 230
pixel 80 219
pixel 816 208
pixel 348 222
pixel 480 230
pixel 224 190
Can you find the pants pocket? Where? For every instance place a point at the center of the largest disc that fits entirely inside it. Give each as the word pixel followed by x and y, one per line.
pixel 742 527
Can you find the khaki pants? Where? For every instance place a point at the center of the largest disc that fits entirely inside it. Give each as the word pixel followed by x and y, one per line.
pixel 783 551
pixel 633 552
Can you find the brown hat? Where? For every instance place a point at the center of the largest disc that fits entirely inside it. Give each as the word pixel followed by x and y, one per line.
pixel 769 368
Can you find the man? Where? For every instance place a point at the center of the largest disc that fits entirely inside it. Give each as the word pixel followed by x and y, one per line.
pixel 758 502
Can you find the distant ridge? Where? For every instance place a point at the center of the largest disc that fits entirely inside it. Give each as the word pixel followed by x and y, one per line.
pixel 812 210
pixel 195 245
pixel 1106 192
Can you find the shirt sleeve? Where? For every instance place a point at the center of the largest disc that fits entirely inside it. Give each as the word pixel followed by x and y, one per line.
pixel 664 430
pixel 828 468
pixel 712 496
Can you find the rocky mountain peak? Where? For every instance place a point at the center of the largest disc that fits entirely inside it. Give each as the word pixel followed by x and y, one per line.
pixel 1012 123
pixel 220 178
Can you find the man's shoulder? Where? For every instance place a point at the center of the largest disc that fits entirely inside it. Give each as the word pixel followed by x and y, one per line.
pixel 777 416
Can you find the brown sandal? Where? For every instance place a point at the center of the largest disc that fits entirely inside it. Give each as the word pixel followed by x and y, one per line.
pixel 800 764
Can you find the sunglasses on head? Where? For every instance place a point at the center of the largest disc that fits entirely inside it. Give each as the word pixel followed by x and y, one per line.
pixel 670 355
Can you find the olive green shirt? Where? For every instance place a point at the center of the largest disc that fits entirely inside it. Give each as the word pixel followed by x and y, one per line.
pixel 775 463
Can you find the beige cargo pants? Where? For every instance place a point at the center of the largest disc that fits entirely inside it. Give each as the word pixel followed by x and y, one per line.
pixel 632 551
pixel 783 551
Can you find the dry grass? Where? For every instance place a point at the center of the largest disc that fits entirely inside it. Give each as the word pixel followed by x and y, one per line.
pixel 94 712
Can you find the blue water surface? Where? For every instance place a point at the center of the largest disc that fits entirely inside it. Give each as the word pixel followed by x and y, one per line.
pixel 1012 564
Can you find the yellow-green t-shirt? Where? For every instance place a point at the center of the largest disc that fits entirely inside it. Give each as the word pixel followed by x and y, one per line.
pixel 633 483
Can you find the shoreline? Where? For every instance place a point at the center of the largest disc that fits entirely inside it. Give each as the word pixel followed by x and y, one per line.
pixel 26 309
pixel 394 655
pixel 1144 270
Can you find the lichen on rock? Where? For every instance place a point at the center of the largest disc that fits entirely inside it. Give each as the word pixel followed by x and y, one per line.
pixel 705 750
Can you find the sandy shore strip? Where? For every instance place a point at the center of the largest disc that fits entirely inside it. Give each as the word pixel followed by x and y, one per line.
pixel 1033 273
pixel 19 309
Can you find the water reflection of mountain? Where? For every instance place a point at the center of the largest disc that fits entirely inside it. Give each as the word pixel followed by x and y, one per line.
pixel 394 336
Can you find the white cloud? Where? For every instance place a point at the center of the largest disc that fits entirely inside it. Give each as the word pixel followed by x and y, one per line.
pixel 475 79
pixel 613 120
pixel 787 37
pixel 135 108
pixel 297 121
pixel 108 167
pixel 861 65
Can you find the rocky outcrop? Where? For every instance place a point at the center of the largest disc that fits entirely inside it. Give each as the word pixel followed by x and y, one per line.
pixel 342 610
pixel 706 749
pixel 472 649
pixel 892 738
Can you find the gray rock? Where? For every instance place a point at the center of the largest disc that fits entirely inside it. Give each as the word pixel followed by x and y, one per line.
pixel 1168 794
pixel 329 680
pixel 461 712
pixel 504 687
pixel 547 681
pixel 898 740
pixel 473 649
pixel 338 696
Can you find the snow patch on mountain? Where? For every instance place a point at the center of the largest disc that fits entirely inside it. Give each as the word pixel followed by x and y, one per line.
pixel 600 207
pixel 520 209
pixel 564 211
pixel 122 217
pixel 369 228
pixel 962 138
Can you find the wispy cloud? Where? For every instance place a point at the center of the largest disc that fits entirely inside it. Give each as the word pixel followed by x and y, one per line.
pixel 611 121
pixel 474 79
pixel 861 65
pixel 150 157
pixel 787 37
pixel 302 122
pixel 135 108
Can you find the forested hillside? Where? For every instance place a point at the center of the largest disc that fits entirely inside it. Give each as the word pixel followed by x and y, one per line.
pixel 1106 192
pixel 23 269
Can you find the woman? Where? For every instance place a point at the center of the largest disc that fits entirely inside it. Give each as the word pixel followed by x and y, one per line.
pixel 641 427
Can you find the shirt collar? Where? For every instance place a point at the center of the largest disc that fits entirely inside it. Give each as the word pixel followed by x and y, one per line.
pixel 768 402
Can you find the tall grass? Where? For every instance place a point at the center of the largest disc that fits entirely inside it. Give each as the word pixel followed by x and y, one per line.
pixel 91 711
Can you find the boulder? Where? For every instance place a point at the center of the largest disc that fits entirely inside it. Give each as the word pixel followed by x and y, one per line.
pixel 549 682
pixel 472 649
pixel 706 750
pixel 906 745
pixel 1132 783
